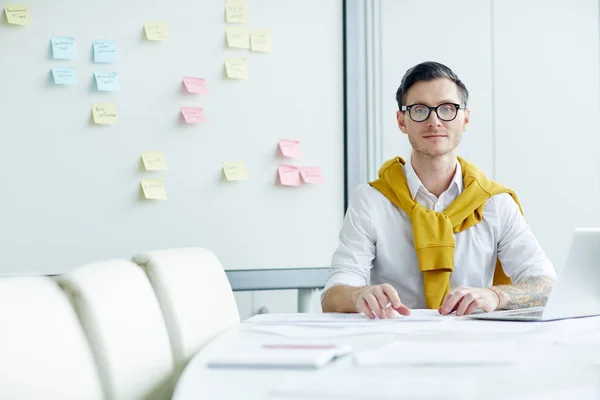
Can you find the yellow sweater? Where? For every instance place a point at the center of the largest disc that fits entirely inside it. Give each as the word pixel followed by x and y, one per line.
pixel 433 231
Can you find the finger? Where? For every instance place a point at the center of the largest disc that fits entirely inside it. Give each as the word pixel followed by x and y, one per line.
pixel 364 308
pixel 465 303
pixel 391 294
pixel 474 306
pixel 383 303
pixel 451 303
pixel 373 304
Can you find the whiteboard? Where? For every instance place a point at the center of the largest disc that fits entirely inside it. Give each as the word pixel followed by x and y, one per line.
pixel 71 189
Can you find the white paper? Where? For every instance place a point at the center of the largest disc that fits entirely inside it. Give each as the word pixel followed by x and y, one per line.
pixel 339 318
pixel 432 353
pixel 373 387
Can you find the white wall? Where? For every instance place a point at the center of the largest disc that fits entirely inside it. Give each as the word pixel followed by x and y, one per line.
pixel 526 64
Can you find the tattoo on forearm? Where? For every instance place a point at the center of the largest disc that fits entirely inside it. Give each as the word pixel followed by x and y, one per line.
pixel 532 292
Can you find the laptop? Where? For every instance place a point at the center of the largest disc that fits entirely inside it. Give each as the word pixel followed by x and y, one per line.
pixel 577 291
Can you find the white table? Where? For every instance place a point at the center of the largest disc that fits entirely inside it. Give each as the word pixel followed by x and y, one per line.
pixel 550 367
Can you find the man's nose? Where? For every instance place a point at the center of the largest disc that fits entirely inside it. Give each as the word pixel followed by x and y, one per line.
pixel 433 119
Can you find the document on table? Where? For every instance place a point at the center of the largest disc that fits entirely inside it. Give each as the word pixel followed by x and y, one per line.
pixel 433 353
pixel 363 386
pixel 337 318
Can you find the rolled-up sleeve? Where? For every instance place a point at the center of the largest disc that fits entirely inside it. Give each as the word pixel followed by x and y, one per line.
pixel 518 250
pixel 353 259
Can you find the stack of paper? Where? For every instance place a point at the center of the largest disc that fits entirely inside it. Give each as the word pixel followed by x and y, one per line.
pixel 303 355
pixel 432 353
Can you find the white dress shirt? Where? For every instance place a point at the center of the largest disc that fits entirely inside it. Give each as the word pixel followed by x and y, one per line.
pixel 377 244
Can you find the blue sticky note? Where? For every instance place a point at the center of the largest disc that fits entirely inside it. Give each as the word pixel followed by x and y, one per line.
pixel 65 76
pixel 105 51
pixel 107 81
pixel 63 48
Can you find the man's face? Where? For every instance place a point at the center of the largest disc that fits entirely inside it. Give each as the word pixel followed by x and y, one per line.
pixel 433 137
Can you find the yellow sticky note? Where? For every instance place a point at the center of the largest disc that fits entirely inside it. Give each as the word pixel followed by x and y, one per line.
pixel 154 189
pixel 154 161
pixel 261 40
pixel 156 31
pixel 17 14
pixel 236 12
pixel 236 68
pixel 237 36
pixel 104 113
pixel 235 171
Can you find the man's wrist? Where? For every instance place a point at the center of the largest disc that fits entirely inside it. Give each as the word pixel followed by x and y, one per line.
pixel 497 295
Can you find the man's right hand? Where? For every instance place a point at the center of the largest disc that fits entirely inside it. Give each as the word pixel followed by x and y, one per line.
pixel 379 300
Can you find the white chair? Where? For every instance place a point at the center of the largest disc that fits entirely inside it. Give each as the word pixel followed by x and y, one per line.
pixel 195 297
pixel 44 353
pixel 122 319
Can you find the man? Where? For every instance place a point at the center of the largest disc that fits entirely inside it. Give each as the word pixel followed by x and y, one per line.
pixel 434 232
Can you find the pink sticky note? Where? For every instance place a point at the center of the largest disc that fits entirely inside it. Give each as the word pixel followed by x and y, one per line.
pixel 312 174
pixel 290 148
pixel 193 115
pixel 195 85
pixel 289 175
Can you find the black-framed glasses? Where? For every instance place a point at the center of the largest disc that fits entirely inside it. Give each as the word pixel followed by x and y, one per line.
pixel 445 111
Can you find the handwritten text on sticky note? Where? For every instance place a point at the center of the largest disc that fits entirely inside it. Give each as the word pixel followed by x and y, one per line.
pixel 195 85
pixel 236 68
pixel 63 48
pixel 17 14
pixel 312 174
pixel 64 76
pixel 237 37
pixel 107 81
pixel 104 113
pixel 289 175
pixel 193 115
pixel 105 51
pixel 235 171
pixel 154 189
pixel 156 31
pixel 236 13
pixel 290 148
pixel 261 40
pixel 154 161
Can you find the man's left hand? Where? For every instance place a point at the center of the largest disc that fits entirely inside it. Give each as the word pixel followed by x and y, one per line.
pixel 466 300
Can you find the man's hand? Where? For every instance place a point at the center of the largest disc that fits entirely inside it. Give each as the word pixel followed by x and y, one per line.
pixel 465 300
pixel 380 300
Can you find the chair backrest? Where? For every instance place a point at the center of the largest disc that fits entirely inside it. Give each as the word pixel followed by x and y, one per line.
pixel 125 327
pixel 195 297
pixel 44 353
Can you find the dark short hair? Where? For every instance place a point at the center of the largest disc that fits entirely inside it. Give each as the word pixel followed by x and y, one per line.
pixel 429 71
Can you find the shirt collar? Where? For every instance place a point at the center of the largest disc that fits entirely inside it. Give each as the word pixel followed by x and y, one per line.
pixel 414 183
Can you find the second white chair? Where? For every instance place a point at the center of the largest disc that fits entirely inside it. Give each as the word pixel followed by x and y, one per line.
pixel 120 314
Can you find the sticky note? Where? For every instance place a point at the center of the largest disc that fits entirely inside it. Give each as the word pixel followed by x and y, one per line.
pixel 290 148
pixel 195 85
pixel 237 37
pixel 289 175
pixel 63 48
pixel 154 189
pixel 64 76
pixel 105 51
pixel 236 12
pixel 154 161
pixel 104 113
pixel 193 115
pixel 156 31
pixel 236 68
pixel 107 81
pixel 235 171
pixel 261 40
pixel 312 174
pixel 17 14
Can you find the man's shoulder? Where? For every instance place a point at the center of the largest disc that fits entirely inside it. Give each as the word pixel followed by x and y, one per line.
pixel 364 195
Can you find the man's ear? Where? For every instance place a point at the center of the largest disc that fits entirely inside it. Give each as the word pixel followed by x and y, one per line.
pixel 401 121
pixel 467 118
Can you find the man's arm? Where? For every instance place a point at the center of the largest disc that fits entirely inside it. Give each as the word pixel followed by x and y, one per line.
pixel 532 292
pixel 340 298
